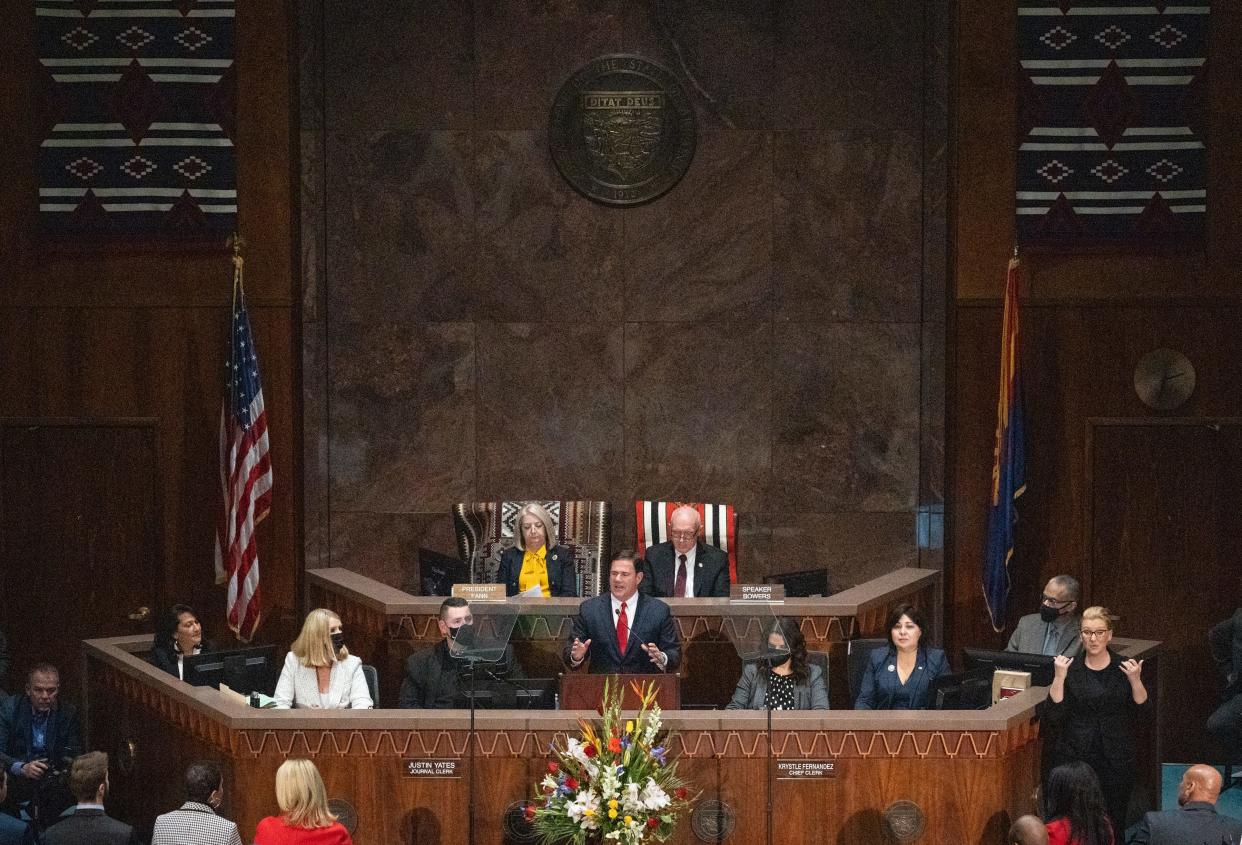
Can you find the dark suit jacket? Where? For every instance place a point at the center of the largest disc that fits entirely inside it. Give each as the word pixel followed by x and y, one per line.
pixel 711 571
pixel 1196 823
pixel 15 832
pixel 89 827
pixel 64 736
pixel 433 680
pixel 561 574
pixel 1092 722
pixel 752 687
pixel 881 689
pixel 1226 641
pixel 163 657
pixel 651 622
pixel 1028 636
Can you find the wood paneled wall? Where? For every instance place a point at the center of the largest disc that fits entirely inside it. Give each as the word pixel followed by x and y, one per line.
pixel 1086 322
pixel 95 335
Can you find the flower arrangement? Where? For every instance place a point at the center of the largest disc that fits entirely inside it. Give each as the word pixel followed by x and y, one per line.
pixel 614 784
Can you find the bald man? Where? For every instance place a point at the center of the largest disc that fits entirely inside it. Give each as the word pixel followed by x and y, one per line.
pixel 684 566
pixel 1196 821
pixel 1028 830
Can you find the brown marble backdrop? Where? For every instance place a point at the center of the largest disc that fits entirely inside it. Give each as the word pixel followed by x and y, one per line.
pixel 770 333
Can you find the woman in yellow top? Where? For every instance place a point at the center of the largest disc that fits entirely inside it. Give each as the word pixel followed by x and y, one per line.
pixel 531 563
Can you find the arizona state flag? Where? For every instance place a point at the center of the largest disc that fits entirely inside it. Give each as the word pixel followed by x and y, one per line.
pixel 1008 462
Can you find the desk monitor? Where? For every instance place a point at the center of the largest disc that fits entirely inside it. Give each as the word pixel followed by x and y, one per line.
pixel 1039 665
pixel 245 670
pixel 965 691
pixel 437 573
pixel 805 584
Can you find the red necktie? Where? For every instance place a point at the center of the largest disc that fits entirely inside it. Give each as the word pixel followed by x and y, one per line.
pixel 679 588
pixel 623 630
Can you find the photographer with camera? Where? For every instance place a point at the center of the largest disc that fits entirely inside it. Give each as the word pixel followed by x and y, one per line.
pixel 38 737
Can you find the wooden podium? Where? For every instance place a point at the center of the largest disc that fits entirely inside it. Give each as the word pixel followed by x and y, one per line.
pixel 584 691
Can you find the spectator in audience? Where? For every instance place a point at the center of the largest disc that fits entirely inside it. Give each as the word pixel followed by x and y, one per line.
pixel 1196 821
pixel 38 734
pixel 304 816
pixel 319 671
pixel 531 563
pixel 900 677
pixel 684 567
pixel 87 823
pixel 1028 830
pixel 785 681
pixel 1091 704
pixel 196 822
pixel 1225 724
pixel 434 676
pixel 178 635
pixel 1075 806
pixel 1054 629
pixel 13 831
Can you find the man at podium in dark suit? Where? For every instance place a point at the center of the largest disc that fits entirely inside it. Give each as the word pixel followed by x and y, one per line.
pixel 684 567
pixel 624 631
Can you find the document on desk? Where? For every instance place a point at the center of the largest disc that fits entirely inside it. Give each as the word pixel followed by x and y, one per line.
pixel 534 592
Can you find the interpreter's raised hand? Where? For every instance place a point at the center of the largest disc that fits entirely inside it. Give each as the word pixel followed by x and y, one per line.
pixel 1060 665
pixel 578 651
pixel 1132 669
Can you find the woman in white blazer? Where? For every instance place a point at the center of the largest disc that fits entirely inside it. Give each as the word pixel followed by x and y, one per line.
pixel 319 671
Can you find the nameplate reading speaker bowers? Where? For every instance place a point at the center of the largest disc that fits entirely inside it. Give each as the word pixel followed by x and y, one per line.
pixel 623 130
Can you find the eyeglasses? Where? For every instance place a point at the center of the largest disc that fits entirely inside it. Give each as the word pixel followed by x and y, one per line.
pixel 683 535
pixel 1094 635
pixel 1056 602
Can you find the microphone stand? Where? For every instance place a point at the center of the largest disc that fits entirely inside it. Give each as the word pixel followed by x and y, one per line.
pixel 767 705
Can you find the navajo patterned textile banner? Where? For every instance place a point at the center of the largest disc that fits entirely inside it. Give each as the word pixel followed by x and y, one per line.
pixel 136 105
pixel 1111 124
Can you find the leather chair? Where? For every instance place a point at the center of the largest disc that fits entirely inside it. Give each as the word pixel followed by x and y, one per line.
pixel 719 527
pixel 856 661
pixel 485 530
pixel 372 679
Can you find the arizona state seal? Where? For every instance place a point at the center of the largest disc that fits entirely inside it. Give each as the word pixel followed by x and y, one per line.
pixel 623 130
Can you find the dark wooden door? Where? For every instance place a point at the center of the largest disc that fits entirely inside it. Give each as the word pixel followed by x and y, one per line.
pixel 79 540
pixel 1166 545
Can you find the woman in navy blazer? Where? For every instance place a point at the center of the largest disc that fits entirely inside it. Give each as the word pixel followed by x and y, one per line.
pixel 901 676
pixel 533 527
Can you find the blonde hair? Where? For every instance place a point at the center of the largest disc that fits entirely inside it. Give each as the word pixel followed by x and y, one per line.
pixel 301 795
pixel 313 646
pixel 540 513
pixel 1099 614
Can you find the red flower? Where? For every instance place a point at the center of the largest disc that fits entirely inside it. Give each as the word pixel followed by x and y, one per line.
pixel 589 751
pixel 681 793
pixel 614 745
pixel 552 767
pixel 530 812
pixel 653 822
pixel 571 783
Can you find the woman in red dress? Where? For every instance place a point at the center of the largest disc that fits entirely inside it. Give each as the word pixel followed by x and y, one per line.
pixel 304 817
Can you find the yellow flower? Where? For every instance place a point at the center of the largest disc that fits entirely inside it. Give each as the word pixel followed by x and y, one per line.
pixel 629 819
pixel 629 727
pixel 588 812
pixel 612 803
pixel 612 814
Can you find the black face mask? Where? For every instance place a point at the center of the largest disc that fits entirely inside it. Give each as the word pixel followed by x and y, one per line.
pixel 776 658
pixel 1049 614
pixel 338 641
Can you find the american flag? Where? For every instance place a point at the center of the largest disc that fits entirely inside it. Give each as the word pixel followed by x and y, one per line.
pixel 245 473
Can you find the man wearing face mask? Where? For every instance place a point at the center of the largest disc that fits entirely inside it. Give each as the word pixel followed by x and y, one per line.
pixel 196 822
pixel 1054 630
pixel 437 677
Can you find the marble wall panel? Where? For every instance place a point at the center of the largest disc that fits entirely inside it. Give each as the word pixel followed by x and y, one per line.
pixel 527 50
pixel 315 467
pixel 846 417
pixel 309 35
pixel 848 226
pixel 854 547
pixel 722 53
pixel 402 415
pixel 550 410
pixel 406 66
pixel 545 253
pixel 312 231
pixel 704 251
pixel 384 546
pixel 847 65
pixel 400 225
pixel 931 415
pixel 698 414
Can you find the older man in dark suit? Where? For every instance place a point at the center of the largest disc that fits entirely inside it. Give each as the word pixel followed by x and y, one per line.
pixel 684 567
pixel 624 631
pixel 39 734
pixel 1195 821
pixel 87 823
